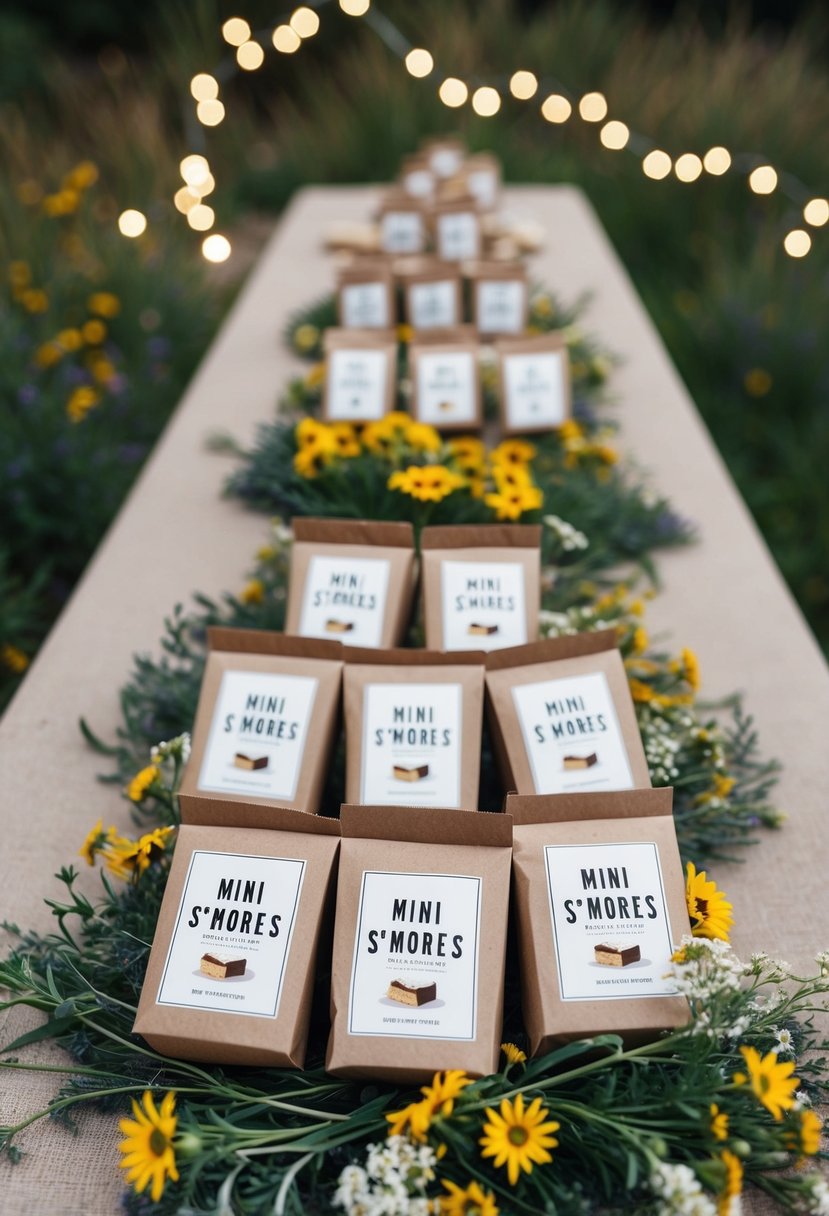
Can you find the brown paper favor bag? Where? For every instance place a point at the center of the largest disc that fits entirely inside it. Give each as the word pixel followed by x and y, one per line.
pixel 456 225
pixel 534 377
pixel 481 585
pixel 413 727
pixel 444 154
pixel 419 941
pixel 360 374
pixel 432 296
pixel 351 579
pixel 482 177
pixel 600 904
pixel 446 382
pixel 417 177
pixel 231 971
pixel 266 720
pixel 402 223
pixel 500 297
pixel 562 717
pixel 365 295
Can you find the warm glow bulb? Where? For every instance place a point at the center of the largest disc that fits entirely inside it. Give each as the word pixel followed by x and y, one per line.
pixel 717 161
pixel 286 39
pixel 556 108
pixel 201 217
pixel 523 85
pixel 305 22
pixel 614 135
pixel 419 62
pixel 816 212
pixel 250 56
pixel 593 107
pixel 210 113
pixel 132 223
pixel 194 169
pixel 185 199
pixel 236 31
pixel 657 164
pixel 204 87
pixel 688 167
pixel 205 187
pixel 355 8
pixel 486 101
pixel 797 243
pixel 763 180
pixel 453 92
pixel 216 248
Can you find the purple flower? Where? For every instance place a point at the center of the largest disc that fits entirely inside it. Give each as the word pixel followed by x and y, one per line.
pixel 158 347
pixel 28 394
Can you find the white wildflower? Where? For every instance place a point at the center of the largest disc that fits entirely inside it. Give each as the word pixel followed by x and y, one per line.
pixel 571 538
pixel 818 1196
pixel 801 1099
pixel 680 1191
pixel 822 960
pixel 785 1042
pixel 167 748
pixel 396 1175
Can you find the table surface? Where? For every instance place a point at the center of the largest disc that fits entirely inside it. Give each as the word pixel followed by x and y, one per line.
pixel 723 597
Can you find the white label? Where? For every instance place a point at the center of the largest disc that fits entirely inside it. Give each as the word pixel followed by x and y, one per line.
pixel 422 931
pixel 572 735
pixel 232 936
pixel 611 930
pixel 482 184
pixel 357 385
pixel 402 232
pixel 365 306
pixel 433 305
pixel 458 235
pixel 500 306
pixel 345 599
pixel 483 605
pixel 446 387
pixel 446 161
pixel 535 389
pixel 409 728
pixel 420 183
pixel 257 736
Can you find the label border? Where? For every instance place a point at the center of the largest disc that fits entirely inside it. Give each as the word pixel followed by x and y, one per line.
pixel 345 558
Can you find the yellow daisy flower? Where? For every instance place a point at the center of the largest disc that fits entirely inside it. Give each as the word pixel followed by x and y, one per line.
pixel 639 690
pixel 512 503
pixel 708 908
pixel 147 1152
pixel 96 841
pixel 468 453
pixel 49 353
pixel 84 175
pixel 719 1122
pixel 426 483
pixel 472 1200
pixel 445 1088
pixel 380 437
pixel 81 401
pixel 104 304
pixel 141 782
pixel 413 1121
pixel 518 1138
pixel 345 439
pixel 771 1081
pixel 805 1137
pixel 733 1183
pixel 514 1055
pixel 13 658
pixel 405 333
pixel 34 300
pixel 422 437
pixel 306 337
pixel 130 858
pixel 93 332
pixel 20 274
pixel 316 376
pixel 512 452
pixel 690 665
pixel 254 592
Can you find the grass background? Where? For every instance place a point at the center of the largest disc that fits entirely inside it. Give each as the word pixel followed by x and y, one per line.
pixel 746 324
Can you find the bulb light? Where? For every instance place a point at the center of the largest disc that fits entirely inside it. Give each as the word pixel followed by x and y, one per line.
pixel 657 164
pixel 614 135
pixel 556 108
pixel 523 85
pixel 419 62
pixel 132 223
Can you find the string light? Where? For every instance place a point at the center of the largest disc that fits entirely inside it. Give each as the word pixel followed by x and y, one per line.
pixel 717 160
pixel 355 8
pixel 250 56
pixel 419 62
pixel 286 40
pixel 453 92
pixel 204 87
pixel 194 169
pixel 614 135
pixel 688 167
pixel 593 107
pixel 797 243
pixel 132 223
pixel 523 85
pixel 236 31
pixel 816 212
pixel 216 248
pixel 185 199
pixel 486 101
pixel 657 164
pixel 210 113
pixel 763 180
pixel 201 217
pixel 556 108
pixel 305 22
pixel 205 187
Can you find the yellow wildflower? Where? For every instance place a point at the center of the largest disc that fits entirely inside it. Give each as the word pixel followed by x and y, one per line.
pixel 306 337
pixel 104 304
pixel 514 1055
pixel 426 483
pixel 82 400
pixel 690 666
pixel 733 1183
pixel 130 858
pixel 719 1122
pixel 64 202
pixel 804 1138
pixel 413 1121
pixel 137 789
pixel 13 658
pixel 316 376
pixel 20 274
pixel 542 306
pixel 34 300
pixel 512 452
pixel 512 503
pixel 518 1138
pixel 84 175
pixel 422 437
pixel 254 592
pixel 380 437
pixel 472 1200
pixel 757 382
pixel 96 841
pixel 48 354
pixel 771 1081
pixel 94 332
pixel 445 1089
pixel 103 370
pixel 317 445
pixel 639 690
pixel 468 453
pixel 570 430
pixel 147 1151
pixel 511 476
pixel 69 339
pixel 345 439
pixel 405 333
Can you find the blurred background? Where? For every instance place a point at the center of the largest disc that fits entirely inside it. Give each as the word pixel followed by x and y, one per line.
pixel 104 315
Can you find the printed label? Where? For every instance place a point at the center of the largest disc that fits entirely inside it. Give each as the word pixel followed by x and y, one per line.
pixel 482 184
pixel 483 605
pixel 420 183
pixel 458 235
pixel 402 232
pixel 611 930
pixel 446 161
pixel 500 306
pixel 257 736
pixel 365 306
pixel 357 384
pixel 232 936
pixel 446 387
pixel 411 745
pixel 415 968
pixel 535 387
pixel 433 305
pixel 345 599
pixel 572 735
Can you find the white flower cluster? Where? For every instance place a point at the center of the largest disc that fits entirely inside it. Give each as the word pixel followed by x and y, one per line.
pixel 680 1191
pixel 710 970
pixel 392 1182
pixel 569 537
pixel 661 745
pixel 169 748
pixel 822 960
pixel 818 1197
pixel 282 534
